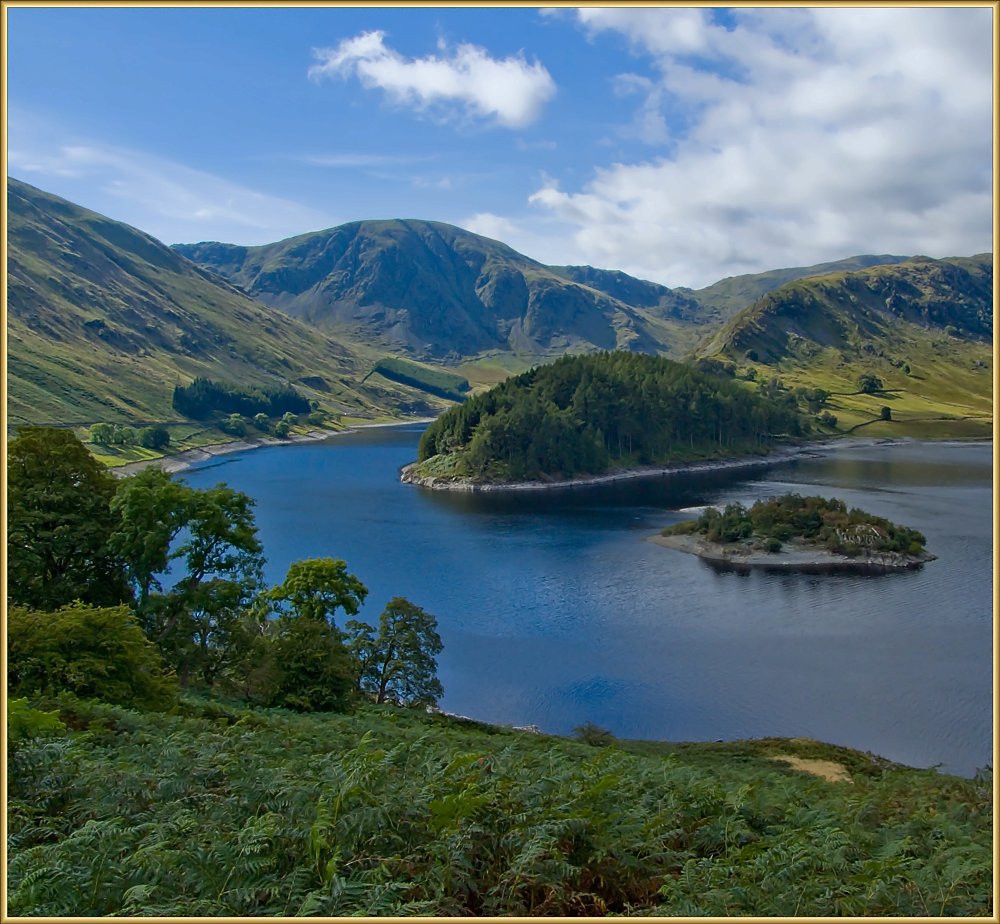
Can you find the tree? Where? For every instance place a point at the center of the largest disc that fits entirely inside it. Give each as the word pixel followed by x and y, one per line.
pixel 234 424
pixel 154 437
pixel 281 429
pixel 261 422
pixel 868 383
pixel 314 668
pixel 59 522
pixel 398 664
pixel 316 588
pixel 212 532
pixel 101 434
pixel 94 652
pixel 885 413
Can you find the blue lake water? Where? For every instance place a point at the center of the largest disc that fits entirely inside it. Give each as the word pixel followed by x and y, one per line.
pixel 555 611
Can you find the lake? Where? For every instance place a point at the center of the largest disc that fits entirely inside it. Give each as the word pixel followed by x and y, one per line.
pixel 555 611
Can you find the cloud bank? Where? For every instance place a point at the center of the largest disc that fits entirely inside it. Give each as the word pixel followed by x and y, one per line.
pixel 506 91
pixel 789 137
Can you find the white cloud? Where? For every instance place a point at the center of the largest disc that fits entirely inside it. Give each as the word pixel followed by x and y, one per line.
pixel 795 136
pixel 171 201
pixel 508 91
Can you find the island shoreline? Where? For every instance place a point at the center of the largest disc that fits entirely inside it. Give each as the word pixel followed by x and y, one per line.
pixel 795 556
pixel 779 454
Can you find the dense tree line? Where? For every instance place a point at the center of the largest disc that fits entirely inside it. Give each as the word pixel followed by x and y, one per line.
pixel 204 398
pixel 148 576
pixel 822 521
pixel 585 414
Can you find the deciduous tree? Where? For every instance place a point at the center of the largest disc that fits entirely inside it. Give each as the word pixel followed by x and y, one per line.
pixel 399 663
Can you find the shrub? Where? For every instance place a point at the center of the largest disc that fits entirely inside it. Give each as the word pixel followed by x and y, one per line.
pixel 773 545
pixel 93 652
pixel 594 735
pixel 24 723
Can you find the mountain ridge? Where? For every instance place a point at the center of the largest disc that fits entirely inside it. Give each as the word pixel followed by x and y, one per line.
pixel 103 320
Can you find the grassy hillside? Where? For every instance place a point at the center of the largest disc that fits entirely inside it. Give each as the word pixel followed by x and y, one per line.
pixel 433 381
pixel 439 293
pixel 103 320
pixel 923 328
pixel 231 812
pixel 734 293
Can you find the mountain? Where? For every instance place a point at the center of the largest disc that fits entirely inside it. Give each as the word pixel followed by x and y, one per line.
pixel 923 327
pixel 734 293
pixel 103 320
pixel 440 293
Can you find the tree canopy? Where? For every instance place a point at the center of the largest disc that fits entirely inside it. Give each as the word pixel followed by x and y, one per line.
pixel 586 414
pixel 398 663
pixel 59 522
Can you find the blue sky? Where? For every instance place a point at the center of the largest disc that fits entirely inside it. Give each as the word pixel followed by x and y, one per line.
pixel 680 145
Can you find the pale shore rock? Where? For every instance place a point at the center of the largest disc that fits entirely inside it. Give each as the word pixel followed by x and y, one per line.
pixel 794 556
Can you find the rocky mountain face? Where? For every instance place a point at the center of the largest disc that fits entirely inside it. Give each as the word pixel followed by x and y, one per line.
pixel 445 294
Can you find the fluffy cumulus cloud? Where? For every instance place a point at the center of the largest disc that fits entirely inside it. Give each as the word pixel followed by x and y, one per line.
pixel 790 137
pixel 506 91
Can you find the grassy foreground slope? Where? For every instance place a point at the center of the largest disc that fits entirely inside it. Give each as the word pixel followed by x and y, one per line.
pixel 103 320
pixel 231 812
pixel 922 327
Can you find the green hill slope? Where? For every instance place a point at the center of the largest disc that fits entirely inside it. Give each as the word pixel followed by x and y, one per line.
pixel 734 293
pixel 237 812
pixel 103 320
pixel 440 293
pixel 923 328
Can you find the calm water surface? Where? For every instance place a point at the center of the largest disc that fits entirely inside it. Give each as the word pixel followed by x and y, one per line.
pixel 554 610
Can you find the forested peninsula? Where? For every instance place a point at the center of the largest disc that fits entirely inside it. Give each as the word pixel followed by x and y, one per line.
pixel 595 414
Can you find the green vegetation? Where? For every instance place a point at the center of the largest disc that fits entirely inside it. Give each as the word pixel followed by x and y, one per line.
pixel 204 398
pixel 921 328
pixel 224 810
pixel 291 782
pixel 59 523
pixel 815 520
pixel 92 652
pixel 585 414
pixel 434 381
pixel 103 321
pixel 123 589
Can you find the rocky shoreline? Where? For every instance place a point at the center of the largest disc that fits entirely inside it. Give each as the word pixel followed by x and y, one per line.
pixel 794 556
pixel 408 473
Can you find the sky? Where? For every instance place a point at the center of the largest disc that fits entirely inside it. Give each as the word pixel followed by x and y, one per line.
pixel 681 145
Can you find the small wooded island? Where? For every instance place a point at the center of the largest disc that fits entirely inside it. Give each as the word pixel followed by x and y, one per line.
pixel 583 418
pixel 798 533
